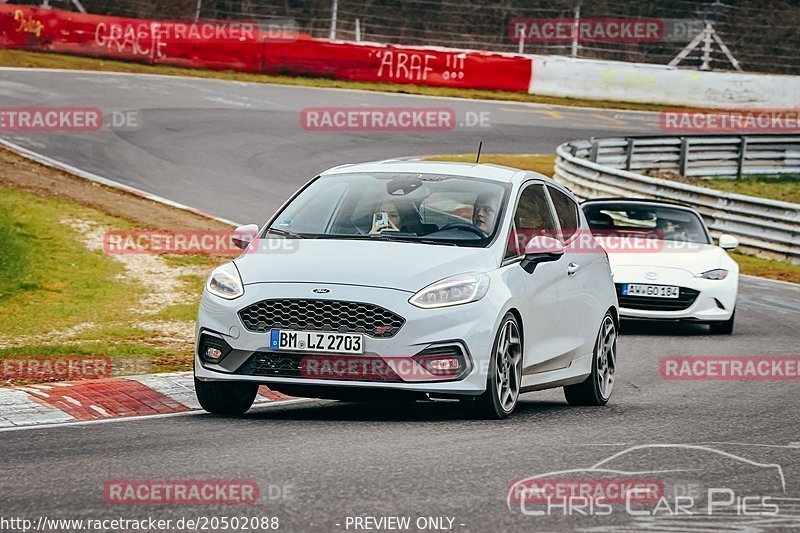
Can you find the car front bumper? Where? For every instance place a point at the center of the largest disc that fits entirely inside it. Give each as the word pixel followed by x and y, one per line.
pixel 470 326
pixel 715 301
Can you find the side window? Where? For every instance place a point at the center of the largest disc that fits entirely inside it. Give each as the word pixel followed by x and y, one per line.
pixel 566 211
pixel 512 250
pixel 533 217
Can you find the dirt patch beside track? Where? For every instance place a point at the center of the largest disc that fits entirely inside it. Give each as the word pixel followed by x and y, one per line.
pixel 21 173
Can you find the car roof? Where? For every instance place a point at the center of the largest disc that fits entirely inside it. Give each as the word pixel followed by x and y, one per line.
pixel 650 201
pixel 469 170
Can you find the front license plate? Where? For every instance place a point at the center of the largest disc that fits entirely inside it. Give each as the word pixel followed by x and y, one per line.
pixel 656 291
pixel 315 341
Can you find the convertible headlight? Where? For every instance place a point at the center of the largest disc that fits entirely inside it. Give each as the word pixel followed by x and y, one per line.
pixel 454 290
pixel 225 282
pixel 717 273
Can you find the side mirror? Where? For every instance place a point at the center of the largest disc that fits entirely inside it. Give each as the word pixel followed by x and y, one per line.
pixel 728 242
pixel 244 235
pixel 541 249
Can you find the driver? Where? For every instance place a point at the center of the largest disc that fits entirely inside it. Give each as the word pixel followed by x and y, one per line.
pixel 669 229
pixel 484 212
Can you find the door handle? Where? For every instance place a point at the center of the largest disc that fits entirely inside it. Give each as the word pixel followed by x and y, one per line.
pixel 572 268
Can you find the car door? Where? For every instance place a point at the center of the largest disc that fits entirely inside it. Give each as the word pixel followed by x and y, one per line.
pixel 578 262
pixel 549 331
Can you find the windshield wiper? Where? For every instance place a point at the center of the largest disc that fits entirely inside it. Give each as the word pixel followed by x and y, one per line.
pixel 285 233
pixel 379 237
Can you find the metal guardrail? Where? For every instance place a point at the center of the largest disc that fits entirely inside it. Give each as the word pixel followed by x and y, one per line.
pixel 614 167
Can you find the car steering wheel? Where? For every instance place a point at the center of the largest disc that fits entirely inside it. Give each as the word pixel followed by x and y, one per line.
pixel 465 226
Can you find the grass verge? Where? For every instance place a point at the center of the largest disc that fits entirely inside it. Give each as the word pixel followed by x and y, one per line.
pixel 34 295
pixel 62 295
pixel 541 163
pixel 785 188
pixel 767 268
pixel 21 58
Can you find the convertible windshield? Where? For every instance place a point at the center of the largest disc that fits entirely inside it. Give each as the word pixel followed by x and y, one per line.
pixel 661 222
pixel 429 208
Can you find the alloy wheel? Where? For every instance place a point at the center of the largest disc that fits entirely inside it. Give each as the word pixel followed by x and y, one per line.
pixel 508 372
pixel 606 357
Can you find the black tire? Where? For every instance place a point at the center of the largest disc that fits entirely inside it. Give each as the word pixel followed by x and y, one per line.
pixel 723 328
pixel 591 390
pixel 225 398
pixel 488 405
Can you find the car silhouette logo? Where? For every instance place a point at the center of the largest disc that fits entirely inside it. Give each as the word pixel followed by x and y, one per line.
pixel 322 291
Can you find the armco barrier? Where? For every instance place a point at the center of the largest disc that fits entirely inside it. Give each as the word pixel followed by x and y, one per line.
pixel 605 168
pixel 240 46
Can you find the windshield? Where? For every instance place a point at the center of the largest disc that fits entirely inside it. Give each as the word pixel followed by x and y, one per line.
pixel 429 208
pixel 656 221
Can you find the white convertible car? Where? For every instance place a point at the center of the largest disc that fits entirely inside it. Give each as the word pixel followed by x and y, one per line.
pixel 444 280
pixel 665 264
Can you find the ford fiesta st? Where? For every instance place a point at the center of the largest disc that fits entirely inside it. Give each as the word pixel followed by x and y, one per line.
pixel 412 280
pixel 665 264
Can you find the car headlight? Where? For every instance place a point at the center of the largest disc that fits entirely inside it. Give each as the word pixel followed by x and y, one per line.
pixel 455 290
pixel 717 273
pixel 225 282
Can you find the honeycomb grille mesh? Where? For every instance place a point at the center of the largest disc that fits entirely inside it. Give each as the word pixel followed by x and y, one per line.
pixel 321 315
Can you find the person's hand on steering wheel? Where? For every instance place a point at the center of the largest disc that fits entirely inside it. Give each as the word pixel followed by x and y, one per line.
pixel 466 227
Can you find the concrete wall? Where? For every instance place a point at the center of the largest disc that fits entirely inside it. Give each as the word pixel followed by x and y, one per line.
pixel 638 82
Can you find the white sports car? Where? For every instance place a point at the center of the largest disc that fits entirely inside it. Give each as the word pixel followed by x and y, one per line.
pixel 409 280
pixel 665 264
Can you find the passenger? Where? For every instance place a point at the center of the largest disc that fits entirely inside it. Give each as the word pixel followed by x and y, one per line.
pixel 393 221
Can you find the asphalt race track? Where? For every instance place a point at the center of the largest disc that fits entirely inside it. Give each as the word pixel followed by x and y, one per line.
pixel 238 150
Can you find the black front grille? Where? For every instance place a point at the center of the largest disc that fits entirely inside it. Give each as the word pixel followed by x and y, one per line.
pixel 685 299
pixel 321 315
pixel 319 366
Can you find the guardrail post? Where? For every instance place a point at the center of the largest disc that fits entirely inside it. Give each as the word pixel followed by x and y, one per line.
pixel 684 156
pixel 593 152
pixel 629 152
pixel 742 150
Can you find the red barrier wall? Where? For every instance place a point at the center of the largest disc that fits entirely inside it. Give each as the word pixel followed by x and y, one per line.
pixel 242 46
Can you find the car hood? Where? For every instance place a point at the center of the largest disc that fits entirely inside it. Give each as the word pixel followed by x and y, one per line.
pixel 395 265
pixel 693 258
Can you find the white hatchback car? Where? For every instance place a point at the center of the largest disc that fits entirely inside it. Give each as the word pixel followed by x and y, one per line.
pixel 405 280
pixel 665 264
